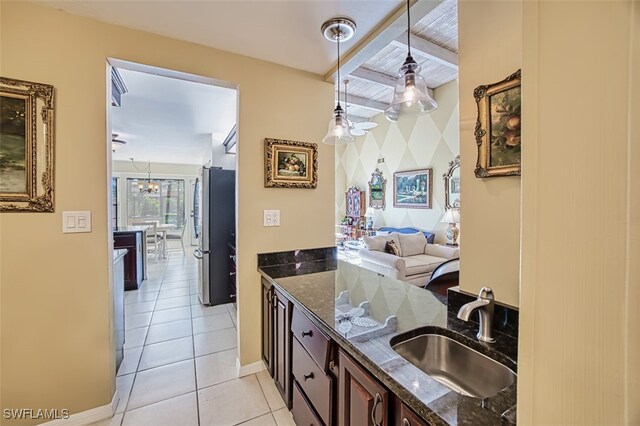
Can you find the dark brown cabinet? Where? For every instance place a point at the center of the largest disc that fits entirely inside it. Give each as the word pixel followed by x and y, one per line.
pixel 361 399
pixel 276 338
pixel 133 262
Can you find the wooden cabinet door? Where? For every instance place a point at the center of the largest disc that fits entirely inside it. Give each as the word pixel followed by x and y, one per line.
pixel 409 418
pixel 267 325
pixel 282 345
pixel 361 399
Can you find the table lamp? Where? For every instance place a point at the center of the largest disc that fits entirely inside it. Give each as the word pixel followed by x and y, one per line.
pixel 452 216
pixel 370 215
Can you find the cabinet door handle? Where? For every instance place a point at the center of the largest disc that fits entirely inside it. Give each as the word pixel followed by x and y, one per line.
pixel 307 376
pixel 270 296
pixel 377 400
pixel 307 333
pixel 405 422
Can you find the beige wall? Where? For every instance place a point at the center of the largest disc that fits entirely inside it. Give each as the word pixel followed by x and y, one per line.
pixel 55 288
pixel 490 45
pixel 426 141
pixel 578 358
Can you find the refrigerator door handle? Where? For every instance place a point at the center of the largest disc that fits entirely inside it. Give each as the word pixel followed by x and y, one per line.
pixel 199 254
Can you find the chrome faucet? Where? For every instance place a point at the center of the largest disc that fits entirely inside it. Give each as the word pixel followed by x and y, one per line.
pixel 484 305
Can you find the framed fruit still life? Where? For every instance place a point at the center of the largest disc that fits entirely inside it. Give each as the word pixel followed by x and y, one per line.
pixel 290 164
pixel 498 127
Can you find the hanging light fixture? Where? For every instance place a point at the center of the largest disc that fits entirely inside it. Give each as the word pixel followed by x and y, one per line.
pixel 410 94
pixel 337 30
pixel 147 186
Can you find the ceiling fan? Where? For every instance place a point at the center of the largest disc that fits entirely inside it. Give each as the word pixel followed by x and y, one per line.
pixel 116 143
pixel 357 128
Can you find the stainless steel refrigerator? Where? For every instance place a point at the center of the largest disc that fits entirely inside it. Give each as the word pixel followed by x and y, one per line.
pixel 215 216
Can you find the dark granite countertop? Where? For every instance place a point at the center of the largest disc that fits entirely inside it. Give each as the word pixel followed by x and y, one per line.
pixel 136 228
pixel 318 287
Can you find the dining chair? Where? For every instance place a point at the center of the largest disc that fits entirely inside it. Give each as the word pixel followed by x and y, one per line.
pixel 178 234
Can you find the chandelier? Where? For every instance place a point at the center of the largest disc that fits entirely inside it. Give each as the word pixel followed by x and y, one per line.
pixel 147 186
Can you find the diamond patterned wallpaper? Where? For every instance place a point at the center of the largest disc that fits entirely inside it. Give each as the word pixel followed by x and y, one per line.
pixel 426 141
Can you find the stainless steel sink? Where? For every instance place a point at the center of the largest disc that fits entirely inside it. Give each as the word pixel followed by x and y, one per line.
pixel 455 365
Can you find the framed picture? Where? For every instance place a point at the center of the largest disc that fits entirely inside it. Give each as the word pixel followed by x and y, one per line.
pixel 412 189
pixel 290 164
pixel 498 128
pixel 26 146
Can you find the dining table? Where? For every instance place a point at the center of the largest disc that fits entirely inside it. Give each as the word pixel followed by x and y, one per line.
pixel 162 230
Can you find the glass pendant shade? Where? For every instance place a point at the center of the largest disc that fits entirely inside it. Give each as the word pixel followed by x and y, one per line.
pixel 339 131
pixel 410 95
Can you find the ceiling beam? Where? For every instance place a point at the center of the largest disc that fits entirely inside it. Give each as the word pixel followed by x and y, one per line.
pixel 377 77
pixel 429 50
pixel 384 33
pixel 374 77
pixel 365 103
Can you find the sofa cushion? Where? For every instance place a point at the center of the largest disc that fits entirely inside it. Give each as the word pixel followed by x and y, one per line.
pixel 392 248
pixel 421 264
pixel 378 242
pixel 412 244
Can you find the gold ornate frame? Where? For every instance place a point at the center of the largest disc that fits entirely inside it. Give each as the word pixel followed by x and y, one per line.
pixel 377 184
pixel 483 94
pixel 426 205
pixel 39 144
pixel 453 165
pixel 272 178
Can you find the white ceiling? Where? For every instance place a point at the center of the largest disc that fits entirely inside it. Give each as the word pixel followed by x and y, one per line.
pixel 286 32
pixel 167 120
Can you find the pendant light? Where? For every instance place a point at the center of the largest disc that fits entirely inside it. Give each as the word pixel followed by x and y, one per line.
pixel 337 30
pixel 410 95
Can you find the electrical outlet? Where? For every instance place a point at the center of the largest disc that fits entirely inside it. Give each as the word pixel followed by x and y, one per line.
pixel 380 160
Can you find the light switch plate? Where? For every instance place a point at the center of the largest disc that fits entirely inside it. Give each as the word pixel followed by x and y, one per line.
pixel 77 221
pixel 271 218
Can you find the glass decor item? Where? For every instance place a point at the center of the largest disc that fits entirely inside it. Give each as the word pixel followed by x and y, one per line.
pixel 411 94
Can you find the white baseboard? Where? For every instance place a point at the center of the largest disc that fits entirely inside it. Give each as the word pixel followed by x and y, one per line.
pixel 245 370
pixel 90 416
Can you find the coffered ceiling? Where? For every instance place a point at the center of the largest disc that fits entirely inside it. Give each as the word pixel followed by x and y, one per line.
pixel 288 33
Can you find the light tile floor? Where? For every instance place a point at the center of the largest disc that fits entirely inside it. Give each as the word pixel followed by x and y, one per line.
pixel 179 367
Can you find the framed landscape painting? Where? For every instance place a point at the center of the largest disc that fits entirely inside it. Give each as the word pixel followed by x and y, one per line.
pixel 498 128
pixel 290 164
pixel 413 189
pixel 26 146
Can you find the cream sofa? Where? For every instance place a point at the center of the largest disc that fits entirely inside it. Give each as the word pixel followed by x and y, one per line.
pixel 417 258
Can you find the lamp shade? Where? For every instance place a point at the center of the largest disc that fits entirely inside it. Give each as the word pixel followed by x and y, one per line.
pixel 451 216
pixel 338 132
pixel 411 94
pixel 371 212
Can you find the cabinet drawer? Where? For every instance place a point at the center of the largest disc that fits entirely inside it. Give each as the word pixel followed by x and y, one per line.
pixel 303 415
pixel 313 340
pixel 312 380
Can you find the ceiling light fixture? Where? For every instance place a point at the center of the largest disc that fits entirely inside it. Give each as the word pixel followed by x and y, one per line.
pixel 357 129
pixel 149 186
pixel 337 30
pixel 411 94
